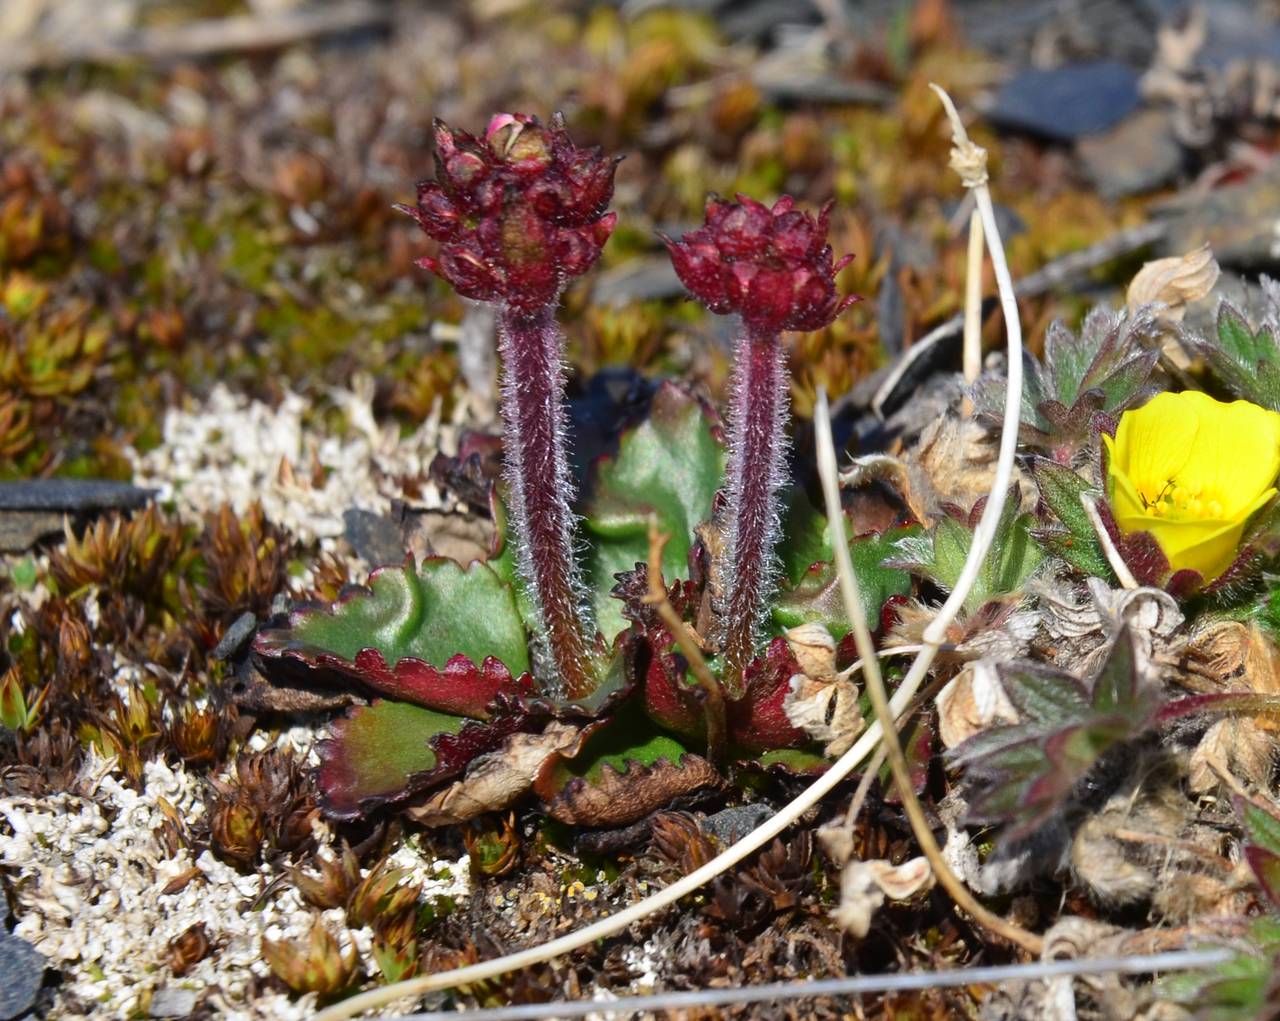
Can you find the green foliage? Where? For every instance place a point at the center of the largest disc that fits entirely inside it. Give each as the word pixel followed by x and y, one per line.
pixel 431 613
pixel 941 554
pixel 1246 361
pixel 18 712
pixel 1103 371
pixel 815 596
pixel 1026 772
pixel 670 467
pixel 1076 542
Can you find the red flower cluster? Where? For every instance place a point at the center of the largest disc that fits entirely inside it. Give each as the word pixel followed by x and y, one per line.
pixel 517 213
pixel 773 266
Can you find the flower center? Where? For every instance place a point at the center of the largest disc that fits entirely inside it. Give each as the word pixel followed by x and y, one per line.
pixel 1180 503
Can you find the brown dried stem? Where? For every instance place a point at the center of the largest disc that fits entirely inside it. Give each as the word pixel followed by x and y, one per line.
pixel 713 697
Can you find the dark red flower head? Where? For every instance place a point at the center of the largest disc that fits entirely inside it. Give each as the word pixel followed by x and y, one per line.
pixel 773 266
pixel 516 213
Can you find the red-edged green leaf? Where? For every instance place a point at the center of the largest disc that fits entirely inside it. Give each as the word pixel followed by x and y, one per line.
pixel 417 634
pixel 1026 772
pixel 388 751
pixel 790 761
pixel 670 465
pixel 1261 823
pixel 756 722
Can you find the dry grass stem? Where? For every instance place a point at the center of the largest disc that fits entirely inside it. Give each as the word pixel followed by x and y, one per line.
pixel 717 733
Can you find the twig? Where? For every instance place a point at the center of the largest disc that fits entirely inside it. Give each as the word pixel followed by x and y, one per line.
pixel 852 599
pixel 1123 574
pixel 713 697
pixel 244 33
pixel 682 1002
pixel 866 745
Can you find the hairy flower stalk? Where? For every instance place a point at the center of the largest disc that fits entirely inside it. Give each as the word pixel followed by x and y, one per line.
pixel 518 213
pixel 774 268
pixel 538 474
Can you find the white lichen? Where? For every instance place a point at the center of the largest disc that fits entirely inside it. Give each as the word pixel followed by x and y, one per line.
pixel 89 874
pixel 231 449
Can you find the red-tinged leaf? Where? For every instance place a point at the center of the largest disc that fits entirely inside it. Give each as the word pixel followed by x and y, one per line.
pixel 417 634
pixel 459 687
pixel 386 752
pixel 1266 867
pixel 1261 823
pixel 757 721
pixel 621 774
pixel 917 744
pixel 669 697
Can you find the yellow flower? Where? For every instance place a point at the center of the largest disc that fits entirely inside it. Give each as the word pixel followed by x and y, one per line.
pixel 1192 471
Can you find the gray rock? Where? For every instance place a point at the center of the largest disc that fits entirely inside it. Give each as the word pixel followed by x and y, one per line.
pixel 1137 155
pixel 21 975
pixel 823 89
pixel 1239 222
pixel 377 540
pixel 645 278
pixel 234 638
pixel 732 824
pixel 34 509
pixel 174 1001
pixel 1067 102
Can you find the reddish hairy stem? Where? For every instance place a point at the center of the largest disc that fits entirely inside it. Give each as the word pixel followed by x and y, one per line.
pixel 541 491
pixel 757 444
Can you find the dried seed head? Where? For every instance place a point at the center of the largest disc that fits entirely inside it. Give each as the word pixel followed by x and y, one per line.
pixel 517 213
pixel 814 650
pixel 773 266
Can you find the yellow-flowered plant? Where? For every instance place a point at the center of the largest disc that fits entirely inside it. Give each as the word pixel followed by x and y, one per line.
pixel 1192 471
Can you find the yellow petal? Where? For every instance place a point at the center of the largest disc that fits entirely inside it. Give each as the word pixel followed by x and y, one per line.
pixel 1236 453
pixel 1153 442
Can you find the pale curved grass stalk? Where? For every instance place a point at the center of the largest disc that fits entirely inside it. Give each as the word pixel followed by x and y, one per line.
pixel 1123 574
pixel 852 985
pixel 852 599
pixel 973 303
pixel 971 162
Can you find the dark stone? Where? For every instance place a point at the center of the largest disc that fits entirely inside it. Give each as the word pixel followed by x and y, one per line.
pixel 377 540
pixel 234 638
pixel 34 509
pixel 732 824
pixel 72 496
pixel 1068 102
pixel 1137 155
pixel 21 975
pixel 824 90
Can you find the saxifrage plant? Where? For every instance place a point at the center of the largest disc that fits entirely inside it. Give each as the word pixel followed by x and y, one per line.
pixel 545 664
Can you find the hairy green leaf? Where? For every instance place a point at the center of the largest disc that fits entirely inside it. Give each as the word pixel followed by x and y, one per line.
pixel 669 466
pixel 815 598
